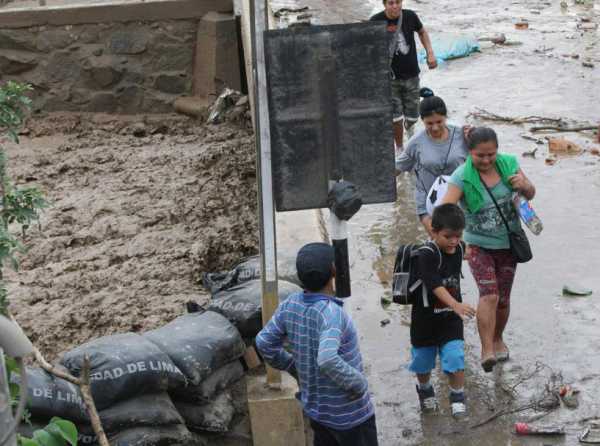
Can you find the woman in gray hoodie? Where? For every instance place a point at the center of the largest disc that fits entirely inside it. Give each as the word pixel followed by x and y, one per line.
pixel 433 154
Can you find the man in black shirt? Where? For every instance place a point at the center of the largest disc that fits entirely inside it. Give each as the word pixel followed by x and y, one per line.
pixel 404 67
pixel 436 325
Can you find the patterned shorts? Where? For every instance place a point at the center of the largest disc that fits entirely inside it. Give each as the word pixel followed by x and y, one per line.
pixel 405 100
pixel 494 272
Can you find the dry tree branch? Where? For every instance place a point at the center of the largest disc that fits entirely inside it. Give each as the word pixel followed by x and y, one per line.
pixel 86 391
pixel 563 129
pixel 480 113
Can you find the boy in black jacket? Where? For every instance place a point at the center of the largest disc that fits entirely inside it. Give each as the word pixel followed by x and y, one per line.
pixel 437 319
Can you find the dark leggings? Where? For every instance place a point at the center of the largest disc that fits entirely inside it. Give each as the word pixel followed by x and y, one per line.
pixel 365 434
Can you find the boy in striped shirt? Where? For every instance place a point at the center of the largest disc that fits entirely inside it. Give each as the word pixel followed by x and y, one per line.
pixel 323 354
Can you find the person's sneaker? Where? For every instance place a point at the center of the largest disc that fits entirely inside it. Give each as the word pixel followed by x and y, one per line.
pixel 427 399
pixel 457 405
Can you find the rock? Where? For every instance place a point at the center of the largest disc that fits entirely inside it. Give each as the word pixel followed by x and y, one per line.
pixel 130 98
pixel 55 38
pixel 171 83
pixel 384 322
pixel 128 43
pixel 98 52
pixel 173 58
pixel 563 147
pixel 103 102
pixel 551 160
pixel 63 67
pixel 138 130
pixel 15 62
pixel 523 24
pixel 587 63
pixel 21 40
pixel 575 290
pixel 105 75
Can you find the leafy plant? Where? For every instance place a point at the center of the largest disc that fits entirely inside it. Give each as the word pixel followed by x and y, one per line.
pixel 59 432
pixel 19 208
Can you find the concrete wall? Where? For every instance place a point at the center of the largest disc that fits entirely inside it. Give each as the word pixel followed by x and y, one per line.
pixel 120 66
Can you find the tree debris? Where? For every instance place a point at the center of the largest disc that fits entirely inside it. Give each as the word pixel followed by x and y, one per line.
pixel 485 115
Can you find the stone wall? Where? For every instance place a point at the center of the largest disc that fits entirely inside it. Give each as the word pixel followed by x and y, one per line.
pixel 113 67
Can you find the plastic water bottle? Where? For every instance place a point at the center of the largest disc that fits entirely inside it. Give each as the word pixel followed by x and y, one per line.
pixel 528 429
pixel 527 214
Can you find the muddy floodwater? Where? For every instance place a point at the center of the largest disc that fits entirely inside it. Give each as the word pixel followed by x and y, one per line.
pixel 548 334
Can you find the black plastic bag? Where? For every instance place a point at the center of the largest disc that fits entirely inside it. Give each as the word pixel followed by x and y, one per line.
pixel 215 383
pixel 344 200
pixel 242 304
pixel 199 343
pixel 145 410
pixel 123 366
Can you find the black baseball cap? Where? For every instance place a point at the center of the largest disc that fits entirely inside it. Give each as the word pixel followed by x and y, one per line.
pixel 314 265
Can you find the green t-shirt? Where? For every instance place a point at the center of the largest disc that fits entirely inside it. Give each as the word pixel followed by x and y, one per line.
pixel 485 227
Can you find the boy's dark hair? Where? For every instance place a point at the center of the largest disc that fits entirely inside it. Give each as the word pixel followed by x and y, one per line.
pixel 481 134
pixel 448 216
pixel 431 105
pixel 314 265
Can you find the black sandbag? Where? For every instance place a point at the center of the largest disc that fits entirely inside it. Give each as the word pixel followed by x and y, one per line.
pixel 215 416
pixel 242 304
pixel 123 366
pixel 249 269
pixel 49 396
pixel 154 436
pixel 145 410
pixel 215 383
pixel 199 343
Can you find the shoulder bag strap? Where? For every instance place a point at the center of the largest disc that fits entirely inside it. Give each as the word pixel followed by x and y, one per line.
pixel 497 207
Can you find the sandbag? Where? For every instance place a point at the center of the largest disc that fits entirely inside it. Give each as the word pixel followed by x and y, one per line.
pixel 249 269
pixel 242 304
pixel 49 396
pixel 215 416
pixel 146 410
pixel 199 343
pixel 215 383
pixel 153 436
pixel 123 366
pixel 450 46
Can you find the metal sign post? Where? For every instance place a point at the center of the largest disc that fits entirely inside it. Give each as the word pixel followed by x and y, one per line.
pixel 268 253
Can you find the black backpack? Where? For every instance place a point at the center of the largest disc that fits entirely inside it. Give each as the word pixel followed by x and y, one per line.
pixel 407 287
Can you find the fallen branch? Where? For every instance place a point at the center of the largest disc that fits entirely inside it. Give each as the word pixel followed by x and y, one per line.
pixel 501 413
pixel 563 129
pixel 86 392
pixel 489 116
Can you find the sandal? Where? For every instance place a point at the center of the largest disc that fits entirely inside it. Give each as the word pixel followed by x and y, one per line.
pixel 488 364
pixel 502 356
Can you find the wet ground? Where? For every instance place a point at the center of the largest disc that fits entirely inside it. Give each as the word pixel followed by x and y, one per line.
pixel 547 333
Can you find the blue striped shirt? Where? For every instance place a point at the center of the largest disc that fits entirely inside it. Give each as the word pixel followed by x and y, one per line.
pixel 324 351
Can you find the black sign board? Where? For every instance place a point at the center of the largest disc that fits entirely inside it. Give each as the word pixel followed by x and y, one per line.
pixel 330 112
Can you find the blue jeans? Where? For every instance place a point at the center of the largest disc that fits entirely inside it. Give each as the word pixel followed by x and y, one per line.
pixel 452 357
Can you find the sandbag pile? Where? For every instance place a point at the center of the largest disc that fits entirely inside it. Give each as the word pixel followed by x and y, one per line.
pixel 249 269
pixel 159 388
pixel 242 304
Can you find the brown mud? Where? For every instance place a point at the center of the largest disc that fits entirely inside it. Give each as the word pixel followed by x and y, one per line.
pixel 139 206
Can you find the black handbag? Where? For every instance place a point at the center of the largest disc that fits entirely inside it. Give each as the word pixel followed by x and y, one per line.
pixel 519 243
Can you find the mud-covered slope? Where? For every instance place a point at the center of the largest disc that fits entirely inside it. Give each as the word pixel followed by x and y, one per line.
pixel 138 209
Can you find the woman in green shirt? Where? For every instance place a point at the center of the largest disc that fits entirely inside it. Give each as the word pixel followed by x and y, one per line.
pixel 488 248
